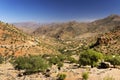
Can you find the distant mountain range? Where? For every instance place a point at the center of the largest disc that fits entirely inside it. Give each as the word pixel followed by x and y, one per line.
pixel 28 27
pixel 75 29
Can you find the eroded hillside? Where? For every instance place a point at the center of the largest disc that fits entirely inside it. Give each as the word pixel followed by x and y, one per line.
pixel 15 42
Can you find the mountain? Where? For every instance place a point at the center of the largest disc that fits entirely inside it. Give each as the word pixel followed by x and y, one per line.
pixel 27 27
pixel 10 34
pixel 66 30
pixel 109 43
pixel 73 29
pixel 56 37
pixel 105 25
pixel 14 42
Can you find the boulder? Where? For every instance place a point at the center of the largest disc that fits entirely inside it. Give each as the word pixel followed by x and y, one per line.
pixel 104 65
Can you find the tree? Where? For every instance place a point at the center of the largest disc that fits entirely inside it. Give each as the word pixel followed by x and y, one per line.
pixel 90 57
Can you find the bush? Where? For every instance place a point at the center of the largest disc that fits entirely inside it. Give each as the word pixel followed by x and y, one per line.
pixel 31 64
pixel 90 57
pixel 71 59
pixel 61 76
pixel 60 64
pixel 85 76
pixel 62 57
pixel 1 59
pixel 113 59
pixel 54 60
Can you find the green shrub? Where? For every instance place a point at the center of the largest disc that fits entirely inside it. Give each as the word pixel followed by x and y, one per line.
pixel 71 59
pixel 60 64
pixel 61 76
pixel 62 57
pixel 113 59
pixel 1 59
pixel 85 76
pixel 31 64
pixel 54 60
pixel 90 57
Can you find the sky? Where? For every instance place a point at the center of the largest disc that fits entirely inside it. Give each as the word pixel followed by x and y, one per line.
pixel 12 11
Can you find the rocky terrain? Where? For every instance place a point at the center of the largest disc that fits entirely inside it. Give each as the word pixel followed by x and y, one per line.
pixel 15 42
pixel 7 72
pixel 60 42
pixel 109 43
pixel 73 36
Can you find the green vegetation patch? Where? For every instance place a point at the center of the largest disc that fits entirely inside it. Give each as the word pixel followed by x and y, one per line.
pixel 1 59
pixel 31 64
pixel 61 76
pixel 85 76
pixel 113 59
pixel 90 57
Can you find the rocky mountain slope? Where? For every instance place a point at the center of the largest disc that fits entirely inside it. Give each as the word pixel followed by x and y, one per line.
pixel 106 43
pixel 109 43
pixel 62 30
pixel 73 29
pixel 15 42
pixel 105 25
pixel 71 37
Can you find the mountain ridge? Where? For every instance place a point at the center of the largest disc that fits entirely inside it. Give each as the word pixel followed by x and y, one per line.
pixel 27 27
pixel 74 29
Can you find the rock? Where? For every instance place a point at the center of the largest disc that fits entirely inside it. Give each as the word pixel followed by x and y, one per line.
pixel 104 65
pixel 20 74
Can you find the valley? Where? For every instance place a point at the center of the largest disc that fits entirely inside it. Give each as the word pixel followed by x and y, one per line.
pixel 61 50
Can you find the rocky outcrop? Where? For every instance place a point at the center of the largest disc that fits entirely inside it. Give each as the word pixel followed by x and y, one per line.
pixel 108 43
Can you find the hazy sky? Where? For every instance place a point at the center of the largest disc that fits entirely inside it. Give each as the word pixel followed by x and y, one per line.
pixel 56 10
